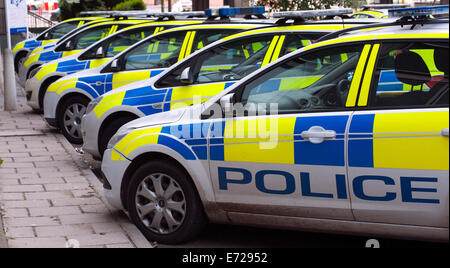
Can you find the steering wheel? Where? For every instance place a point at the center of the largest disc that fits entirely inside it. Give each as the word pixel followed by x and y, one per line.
pixel 342 89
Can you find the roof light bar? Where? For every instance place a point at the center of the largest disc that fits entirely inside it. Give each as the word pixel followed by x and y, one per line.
pixel 143 13
pixel 226 12
pixel 312 13
pixel 418 11
pixel 177 14
pixel 384 6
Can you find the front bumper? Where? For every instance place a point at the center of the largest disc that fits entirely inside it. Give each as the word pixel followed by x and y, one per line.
pixel 90 128
pixel 32 92
pixel 113 172
pixel 51 101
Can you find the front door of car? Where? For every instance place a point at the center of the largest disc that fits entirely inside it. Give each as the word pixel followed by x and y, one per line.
pixel 283 150
pixel 398 148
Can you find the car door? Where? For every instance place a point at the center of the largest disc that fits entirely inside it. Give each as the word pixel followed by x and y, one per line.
pixel 398 149
pixel 282 152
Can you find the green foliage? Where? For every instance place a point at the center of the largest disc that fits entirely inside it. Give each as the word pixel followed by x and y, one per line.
pixel 285 5
pixel 73 10
pixel 130 5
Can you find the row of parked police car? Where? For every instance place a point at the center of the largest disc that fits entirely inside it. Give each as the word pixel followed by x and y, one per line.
pixel 335 125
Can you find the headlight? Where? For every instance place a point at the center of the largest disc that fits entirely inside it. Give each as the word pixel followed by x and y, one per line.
pixel 93 103
pixel 115 139
pixel 34 72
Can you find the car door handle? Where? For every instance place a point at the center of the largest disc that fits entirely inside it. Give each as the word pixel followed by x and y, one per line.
pixel 444 132
pixel 317 134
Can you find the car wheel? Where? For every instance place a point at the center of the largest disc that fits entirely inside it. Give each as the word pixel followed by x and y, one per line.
pixel 110 130
pixel 69 118
pixel 163 203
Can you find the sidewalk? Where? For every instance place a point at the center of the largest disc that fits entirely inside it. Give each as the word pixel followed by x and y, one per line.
pixel 48 194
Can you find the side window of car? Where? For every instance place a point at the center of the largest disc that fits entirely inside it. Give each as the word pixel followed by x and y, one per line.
pixel 158 52
pixel 90 36
pixel 231 61
pixel 294 42
pixel 206 37
pixel 59 31
pixel 411 74
pixel 314 81
pixel 124 40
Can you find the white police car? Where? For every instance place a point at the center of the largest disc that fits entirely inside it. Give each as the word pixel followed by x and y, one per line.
pixel 340 155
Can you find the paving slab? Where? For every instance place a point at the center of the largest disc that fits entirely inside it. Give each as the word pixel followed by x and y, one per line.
pixel 49 197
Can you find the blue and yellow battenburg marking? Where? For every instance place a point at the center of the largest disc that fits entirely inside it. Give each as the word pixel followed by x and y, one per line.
pixel 150 101
pixel 399 140
pixel 227 142
pixel 32 44
pixel 100 84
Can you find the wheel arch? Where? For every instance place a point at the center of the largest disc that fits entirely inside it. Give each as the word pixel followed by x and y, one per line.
pixel 142 159
pixel 68 96
pixel 109 118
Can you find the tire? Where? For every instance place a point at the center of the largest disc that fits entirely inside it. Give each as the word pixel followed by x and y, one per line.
pixel 184 227
pixel 69 117
pixel 110 129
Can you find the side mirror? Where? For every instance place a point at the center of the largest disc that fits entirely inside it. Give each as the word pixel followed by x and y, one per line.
pixel 47 36
pixel 99 53
pixel 226 102
pixel 69 45
pixel 186 76
pixel 115 65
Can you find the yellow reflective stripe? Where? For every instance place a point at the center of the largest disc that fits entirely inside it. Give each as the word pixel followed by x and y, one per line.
pixel 277 51
pixel 54 87
pixel 31 59
pixel 96 63
pixel 108 102
pixel 18 46
pixel 340 40
pixel 412 149
pixel 189 47
pixel 364 94
pixel 81 23
pixel 115 156
pixel 124 78
pixel 183 47
pixel 270 50
pixel 138 138
pixel 72 52
pixel 183 96
pixel 356 80
pixel 51 68
pixel 268 140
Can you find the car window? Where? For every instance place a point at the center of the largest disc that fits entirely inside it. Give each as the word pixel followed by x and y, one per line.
pixel 231 61
pixel 59 30
pixel 314 81
pixel 411 74
pixel 206 37
pixel 158 52
pixel 124 40
pixel 90 36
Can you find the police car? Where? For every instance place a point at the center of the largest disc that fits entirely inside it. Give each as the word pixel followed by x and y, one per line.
pixel 376 10
pixel 22 49
pixel 74 44
pixel 338 155
pixel 93 56
pixel 202 75
pixel 146 59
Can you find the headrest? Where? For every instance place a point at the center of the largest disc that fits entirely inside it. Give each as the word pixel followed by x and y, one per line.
pixel 441 59
pixel 411 69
